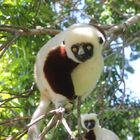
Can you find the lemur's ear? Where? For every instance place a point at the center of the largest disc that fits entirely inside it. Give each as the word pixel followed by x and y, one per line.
pixel 101 41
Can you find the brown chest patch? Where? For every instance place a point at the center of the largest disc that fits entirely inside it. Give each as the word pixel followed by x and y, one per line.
pixel 57 70
pixel 90 135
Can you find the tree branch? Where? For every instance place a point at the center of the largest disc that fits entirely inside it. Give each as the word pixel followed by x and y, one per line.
pixel 41 30
pixel 58 116
pixel 49 126
pixel 28 32
pixel 67 128
pixel 18 135
pixel 128 23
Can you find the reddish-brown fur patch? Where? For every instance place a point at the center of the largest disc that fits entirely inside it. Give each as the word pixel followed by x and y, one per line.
pixel 57 70
pixel 90 135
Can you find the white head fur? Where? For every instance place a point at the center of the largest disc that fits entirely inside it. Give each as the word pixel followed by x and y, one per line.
pixel 91 116
pixel 79 33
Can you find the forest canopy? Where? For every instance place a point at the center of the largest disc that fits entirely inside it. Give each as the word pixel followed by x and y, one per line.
pixel 26 25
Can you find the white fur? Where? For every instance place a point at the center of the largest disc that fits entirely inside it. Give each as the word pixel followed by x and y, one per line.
pixel 84 76
pixel 83 33
pixel 105 134
pixel 91 116
pixel 41 81
pixel 100 133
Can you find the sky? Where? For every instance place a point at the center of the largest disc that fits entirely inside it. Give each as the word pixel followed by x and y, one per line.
pixel 133 81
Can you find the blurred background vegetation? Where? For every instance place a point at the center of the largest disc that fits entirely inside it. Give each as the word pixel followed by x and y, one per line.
pixel 118 110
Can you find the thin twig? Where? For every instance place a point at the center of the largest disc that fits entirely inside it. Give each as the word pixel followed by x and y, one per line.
pixel 24 131
pixel 5 46
pixel 9 42
pixel 67 128
pixel 57 119
pixel 58 116
pixel 123 71
pixel 13 120
pixel 133 38
pixel 21 95
pixel 50 125
pixel 79 117
pixel 52 122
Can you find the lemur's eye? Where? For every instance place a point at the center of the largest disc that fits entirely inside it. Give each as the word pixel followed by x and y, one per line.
pixel 88 47
pixel 100 40
pixel 74 48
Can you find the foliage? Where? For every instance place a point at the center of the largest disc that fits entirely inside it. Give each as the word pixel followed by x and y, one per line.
pixel 19 97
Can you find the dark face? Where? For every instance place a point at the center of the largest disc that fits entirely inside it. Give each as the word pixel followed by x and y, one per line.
pixel 82 51
pixel 89 124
